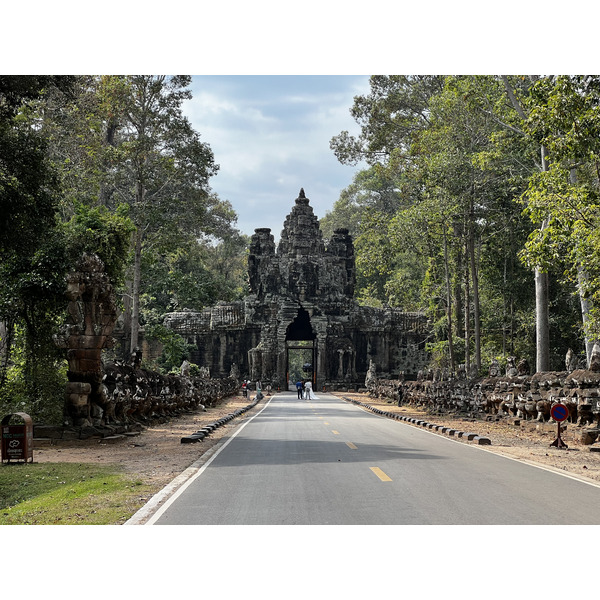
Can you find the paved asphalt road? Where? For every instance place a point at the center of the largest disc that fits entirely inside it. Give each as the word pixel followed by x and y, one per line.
pixel 327 461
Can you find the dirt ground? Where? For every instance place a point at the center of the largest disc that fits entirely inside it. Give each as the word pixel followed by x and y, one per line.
pixel 157 456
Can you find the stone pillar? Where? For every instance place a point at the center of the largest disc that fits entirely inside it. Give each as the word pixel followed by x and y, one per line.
pixel 255 363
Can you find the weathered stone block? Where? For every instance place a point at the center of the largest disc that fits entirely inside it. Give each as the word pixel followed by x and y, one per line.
pixel 589 436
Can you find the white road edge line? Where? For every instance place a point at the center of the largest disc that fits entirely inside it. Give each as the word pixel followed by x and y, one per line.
pixel 188 476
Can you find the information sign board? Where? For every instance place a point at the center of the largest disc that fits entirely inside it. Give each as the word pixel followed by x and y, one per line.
pixel 17 440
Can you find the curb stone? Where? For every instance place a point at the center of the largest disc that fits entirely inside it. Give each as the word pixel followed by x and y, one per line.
pixel 198 436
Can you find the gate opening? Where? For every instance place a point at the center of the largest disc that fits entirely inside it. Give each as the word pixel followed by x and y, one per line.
pixel 301 351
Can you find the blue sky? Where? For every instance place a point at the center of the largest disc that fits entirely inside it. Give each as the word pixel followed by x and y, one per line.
pixel 270 135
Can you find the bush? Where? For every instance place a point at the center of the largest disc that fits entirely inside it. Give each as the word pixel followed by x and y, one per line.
pixel 175 348
pixel 41 398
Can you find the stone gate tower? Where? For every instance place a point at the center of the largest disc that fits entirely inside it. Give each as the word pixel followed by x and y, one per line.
pixel 302 292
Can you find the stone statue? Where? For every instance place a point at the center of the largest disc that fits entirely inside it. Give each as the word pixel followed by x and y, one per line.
pixel 234 372
pixel 92 315
pixel 371 378
pixel 494 368
pixel 523 367
pixel 511 367
pixel 571 361
pixel 185 368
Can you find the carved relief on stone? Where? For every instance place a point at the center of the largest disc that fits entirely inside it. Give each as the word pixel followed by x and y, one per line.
pixel 371 378
pixel 92 316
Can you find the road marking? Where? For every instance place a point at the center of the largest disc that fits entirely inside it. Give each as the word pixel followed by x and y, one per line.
pixel 335 432
pixel 326 423
pixel 380 474
pixel 351 445
pixel 174 489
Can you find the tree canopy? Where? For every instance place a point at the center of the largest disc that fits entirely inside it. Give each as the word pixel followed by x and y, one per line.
pixel 460 158
pixel 106 165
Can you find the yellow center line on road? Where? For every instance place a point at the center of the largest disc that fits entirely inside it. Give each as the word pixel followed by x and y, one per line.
pixel 380 474
pixel 335 432
pixel 351 445
pixel 326 423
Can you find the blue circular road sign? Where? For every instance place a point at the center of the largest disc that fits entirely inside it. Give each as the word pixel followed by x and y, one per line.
pixel 559 412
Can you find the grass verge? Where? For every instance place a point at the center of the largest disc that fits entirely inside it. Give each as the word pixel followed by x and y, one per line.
pixel 68 494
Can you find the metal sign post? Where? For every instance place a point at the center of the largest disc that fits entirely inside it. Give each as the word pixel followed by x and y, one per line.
pixel 559 412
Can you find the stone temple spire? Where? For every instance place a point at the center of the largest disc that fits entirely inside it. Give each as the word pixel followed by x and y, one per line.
pixel 302 268
pixel 301 235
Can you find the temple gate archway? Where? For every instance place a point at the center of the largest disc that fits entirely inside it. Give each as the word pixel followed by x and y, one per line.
pixel 301 350
pixel 301 303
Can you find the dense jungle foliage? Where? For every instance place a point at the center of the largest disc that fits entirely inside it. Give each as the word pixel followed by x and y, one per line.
pixel 107 165
pixel 475 199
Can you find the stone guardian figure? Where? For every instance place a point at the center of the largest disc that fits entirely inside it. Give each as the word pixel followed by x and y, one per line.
pixel 92 315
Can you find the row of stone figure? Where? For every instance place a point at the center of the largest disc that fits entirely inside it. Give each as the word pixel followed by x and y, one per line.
pixel 524 397
pixel 128 394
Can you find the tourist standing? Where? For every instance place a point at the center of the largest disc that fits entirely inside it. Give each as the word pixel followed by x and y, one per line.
pixel 308 390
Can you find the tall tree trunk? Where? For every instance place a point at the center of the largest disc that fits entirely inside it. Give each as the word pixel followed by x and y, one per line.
pixel 475 285
pixel 542 320
pixel 449 306
pixel 504 302
pixel 7 329
pixel 458 302
pixel 586 304
pixel 467 315
pixel 135 292
pixel 542 317
pixel 127 302
pixel 586 307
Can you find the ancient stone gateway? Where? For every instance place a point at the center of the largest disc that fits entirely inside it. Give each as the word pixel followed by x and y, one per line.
pixel 302 300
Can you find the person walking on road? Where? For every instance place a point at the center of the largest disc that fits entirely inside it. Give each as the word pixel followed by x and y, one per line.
pixel 299 389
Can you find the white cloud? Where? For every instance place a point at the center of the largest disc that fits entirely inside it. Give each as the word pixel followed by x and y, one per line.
pixel 270 137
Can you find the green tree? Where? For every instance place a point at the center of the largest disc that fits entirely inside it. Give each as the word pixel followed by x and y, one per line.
pixel 562 200
pixel 160 167
pixel 31 257
pixel 123 141
pixel 38 248
pixel 390 116
pixel 458 155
